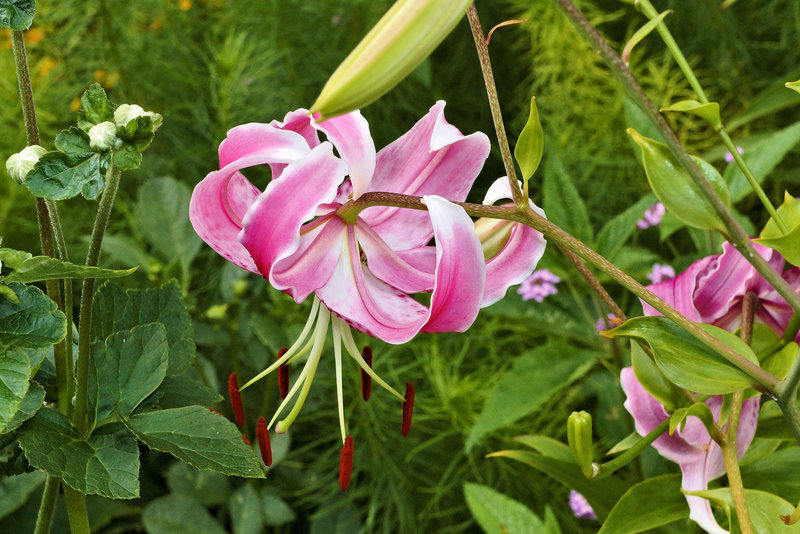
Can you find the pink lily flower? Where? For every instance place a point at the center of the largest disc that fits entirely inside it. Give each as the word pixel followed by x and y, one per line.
pixel 692 448
pixel 361 271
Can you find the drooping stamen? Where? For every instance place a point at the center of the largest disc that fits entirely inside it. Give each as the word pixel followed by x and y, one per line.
pixel 283 375
pixel 346 463
pixel 408 409
pixel 352 350
pixel 236 399
pixel 366 380
pixel 263 441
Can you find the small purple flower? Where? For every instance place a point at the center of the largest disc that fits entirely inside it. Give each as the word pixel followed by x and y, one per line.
pixel 580 506
pixel 601 323
pixel 539 285
pixel 660 273
pixel 652 216
pixel 729 156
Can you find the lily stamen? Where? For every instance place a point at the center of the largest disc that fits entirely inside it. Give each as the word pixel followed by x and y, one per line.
pixel 236 399
pixel 263 441
pixel 346 463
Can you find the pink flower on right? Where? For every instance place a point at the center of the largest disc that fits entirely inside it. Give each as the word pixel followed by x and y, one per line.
pixel 711 291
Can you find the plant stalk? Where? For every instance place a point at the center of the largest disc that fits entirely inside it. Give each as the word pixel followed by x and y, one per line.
pixel 76 511
pixel 606 469
pixel 47 506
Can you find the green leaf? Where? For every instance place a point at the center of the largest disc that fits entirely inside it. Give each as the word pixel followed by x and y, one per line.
pixel 772 99
pixel 245 508
pixel 708 111
pixel 206 487
pixel 162 215
pixel 533 379
pixel 15 490
pixel 107 463
pixel 276 510
pixel 762 157
pixel 616 232
pixel 765 509
pixel 38 268
pixel 499 514
pixel 95 107
pixel 787 243
pixel 58 176
pixel 127 157
pixel 175 513
pixel 641 33
pixel 15 376
pixel 676 189
pixel 117 310
pixel 779 363
pixel 647 505
pixel 530 144
pixel 74 142
pixel 17 14
pixel 769 472
pixel 699 410
pixel 31 402
pixel 138 133
pixel 684 360
pixel 126 368
pixel 185 390
pixel 653 380
pixel 199 437
pixel 33 322
pixel 342 518
pixel 794 86
pixel 562 203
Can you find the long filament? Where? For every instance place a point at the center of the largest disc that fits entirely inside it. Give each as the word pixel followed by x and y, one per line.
pixel 337 356
pixel 350 345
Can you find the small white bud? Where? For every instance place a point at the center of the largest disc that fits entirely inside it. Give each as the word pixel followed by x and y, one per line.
pixel 20 164
pixel 125 113
pixel 102 136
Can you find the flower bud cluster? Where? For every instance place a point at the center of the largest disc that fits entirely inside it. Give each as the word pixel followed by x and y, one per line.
pixel 21 163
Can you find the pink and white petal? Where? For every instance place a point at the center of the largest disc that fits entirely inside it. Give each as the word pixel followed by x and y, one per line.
pixel 299 121
pixel 748 421
pixel 460 269
pixel 271 227
pixel 312 264
pixel 695 478
pixel 678 292
pixel 727 279
pixel 272 144
pixel 368 304
pixel 390 267
pixel 216 209
pixel 349 133
pixel 647 414
pixel 514 263
pixel 433 158
pixel 422 258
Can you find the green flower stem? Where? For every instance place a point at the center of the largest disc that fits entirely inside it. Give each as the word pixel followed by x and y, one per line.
pixel 79 418
pixel 647 8
pixel 47 506
pixel 594 283
pixel 606 469
pixel 76 511
pixel 767 382
pixel 519 198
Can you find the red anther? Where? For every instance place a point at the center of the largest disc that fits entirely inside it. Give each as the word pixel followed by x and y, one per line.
pixel 408 409
pixel 263 441
pixel 283 375
pixel 366 380
pixel 346 463
pixel 246 441
pixel 236 399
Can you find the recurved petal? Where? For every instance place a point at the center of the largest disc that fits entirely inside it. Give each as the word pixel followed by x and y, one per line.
pixel 271 227
pixel 349 133
pixel 678 292
pixel 695 478
pixel 389 266
pixel 433 158
pixel 299 121
pixel 272 144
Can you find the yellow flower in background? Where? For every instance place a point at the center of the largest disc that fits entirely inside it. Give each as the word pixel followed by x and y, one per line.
pixel 46 65
pixel 107 79
pixel 185 5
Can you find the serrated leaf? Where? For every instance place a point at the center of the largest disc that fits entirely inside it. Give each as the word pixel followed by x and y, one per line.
pixel 498 514
pixel 162 215
pixel 174 513
pixel 534 378
pixel 138 133
pixel 126 368
pixel 788 242
pixel 199 437
pixel 562 202
pixel 27 408
pixel 17 14
pixel 33 322
pixel 641 33
pixel 116 310
pixel 530 144
pixel 107 463
pixel 708 111
pixel 58 176
pixel 38 268
pixel 95 107
pixel 127 157
pixel 637 510
pixel 15 376
pixel 684 360
pixel 73 141
pixel 185 390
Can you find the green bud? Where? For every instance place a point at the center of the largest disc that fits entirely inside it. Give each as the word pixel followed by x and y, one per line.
pixel 395 46
pixel 103 136
pixel 530 144
pixel 675 188
pixel 579 436
pixel 20 164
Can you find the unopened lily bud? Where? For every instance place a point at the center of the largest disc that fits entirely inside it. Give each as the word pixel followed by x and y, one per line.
pixel 125 113
pixel 493 235
pixel 103 136
pixel 20 164
pixel 579 436
pixel 395 46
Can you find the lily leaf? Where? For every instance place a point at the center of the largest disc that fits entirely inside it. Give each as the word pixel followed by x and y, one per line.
pixel 708 111
pixel 787 243
pixel 698 409
pixel 636 511
pixel 530 144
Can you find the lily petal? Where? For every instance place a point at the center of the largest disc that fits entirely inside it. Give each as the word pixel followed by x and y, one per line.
pixel 389 266
pixel 695 478
pixel 350 135
pixel 299 121
pixel 678 291
pixel 273 144
pixel 433 157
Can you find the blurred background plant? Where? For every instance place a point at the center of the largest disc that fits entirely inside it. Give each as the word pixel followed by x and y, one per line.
pixel 208 65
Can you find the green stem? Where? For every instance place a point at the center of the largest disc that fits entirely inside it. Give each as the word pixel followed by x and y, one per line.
pixel 76 511
pixel 604 470
pixel 79 416
pixel 47 506
pixel 519 198
pixel 647 8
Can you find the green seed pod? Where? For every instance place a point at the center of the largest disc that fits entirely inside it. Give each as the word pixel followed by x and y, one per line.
pixel 395 46
pixel 675 188
pixel 579 436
